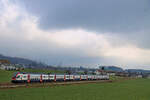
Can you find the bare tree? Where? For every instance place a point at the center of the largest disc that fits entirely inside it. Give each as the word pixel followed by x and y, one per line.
pixel 85 72
pixel 68 72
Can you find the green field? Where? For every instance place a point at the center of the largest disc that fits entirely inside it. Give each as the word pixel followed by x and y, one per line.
pixel 5 76
pixel 138 89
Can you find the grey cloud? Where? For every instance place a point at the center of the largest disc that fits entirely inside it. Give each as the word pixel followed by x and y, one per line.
pixel 41 51
pixel 95 15
pixel 128 19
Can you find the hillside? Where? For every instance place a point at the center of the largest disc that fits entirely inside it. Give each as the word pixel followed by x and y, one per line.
pixel 111 68
pixel 137 71
pixel 18 60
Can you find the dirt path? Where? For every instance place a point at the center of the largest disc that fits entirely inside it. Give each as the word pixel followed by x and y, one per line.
pixel 30 85
pixel 9 85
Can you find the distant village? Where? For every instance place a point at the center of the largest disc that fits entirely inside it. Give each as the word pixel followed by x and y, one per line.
pixel 109 70
pixel 6 65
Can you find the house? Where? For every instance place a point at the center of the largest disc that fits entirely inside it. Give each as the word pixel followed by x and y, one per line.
pixel 111 73
pixel 99 72
pixel 139 76
pixel 10 67
pixel 134 75
pixel 2 61
pixel 122 74
pixel 7 67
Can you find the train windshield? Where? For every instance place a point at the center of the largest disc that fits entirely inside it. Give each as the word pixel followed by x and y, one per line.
pixel 14 75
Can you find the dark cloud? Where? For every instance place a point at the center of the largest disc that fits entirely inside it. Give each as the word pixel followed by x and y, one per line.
pixel 130 18
pixel 124 22
pixel 96 15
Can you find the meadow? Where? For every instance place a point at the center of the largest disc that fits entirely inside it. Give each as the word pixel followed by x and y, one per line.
pixel 137 89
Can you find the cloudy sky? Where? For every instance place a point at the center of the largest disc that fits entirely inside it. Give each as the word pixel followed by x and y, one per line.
pixel 77 32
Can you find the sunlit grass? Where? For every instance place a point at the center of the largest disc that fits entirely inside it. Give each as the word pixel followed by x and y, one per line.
pixel 126 90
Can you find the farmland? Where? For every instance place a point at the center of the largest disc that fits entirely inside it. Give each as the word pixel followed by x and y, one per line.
pixel 121 90
pixel 135 89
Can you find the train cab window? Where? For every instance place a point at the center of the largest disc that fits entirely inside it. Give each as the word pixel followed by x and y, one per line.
pixel 15 74
pixel 18 76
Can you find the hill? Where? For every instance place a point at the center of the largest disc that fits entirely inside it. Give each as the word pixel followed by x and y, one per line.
pixel 137 71
pixel 23 61
pixel 111 68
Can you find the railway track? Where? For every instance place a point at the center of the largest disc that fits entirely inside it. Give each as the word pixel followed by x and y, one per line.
pixel 30 85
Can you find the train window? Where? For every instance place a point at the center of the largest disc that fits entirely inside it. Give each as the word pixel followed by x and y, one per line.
pixel 67 76
pixel 18 76
pixel 51 76
pixel 24 76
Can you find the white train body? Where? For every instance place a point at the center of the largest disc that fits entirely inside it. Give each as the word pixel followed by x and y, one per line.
pixel 30 77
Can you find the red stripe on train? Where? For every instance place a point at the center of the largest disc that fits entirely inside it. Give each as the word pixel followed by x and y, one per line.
pixel 28 78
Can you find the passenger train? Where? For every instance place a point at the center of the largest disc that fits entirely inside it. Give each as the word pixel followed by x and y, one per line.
pixel 21 77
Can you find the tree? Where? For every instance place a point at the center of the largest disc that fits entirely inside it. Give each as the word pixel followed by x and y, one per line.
pixel 68 72
pixel 103 68
pixel 85 72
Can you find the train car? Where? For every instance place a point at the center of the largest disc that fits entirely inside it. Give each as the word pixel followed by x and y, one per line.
pixel 84 77
pixel 21 77
pixel 77 77
pixel 60 78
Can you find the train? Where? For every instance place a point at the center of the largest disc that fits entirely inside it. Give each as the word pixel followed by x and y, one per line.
pixel 22 77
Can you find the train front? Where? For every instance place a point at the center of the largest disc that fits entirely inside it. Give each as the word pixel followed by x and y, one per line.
pixel 14 77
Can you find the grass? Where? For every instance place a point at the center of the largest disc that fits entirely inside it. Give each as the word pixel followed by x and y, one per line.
pixel 5 76
pixel 116 78
pixel 138 89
